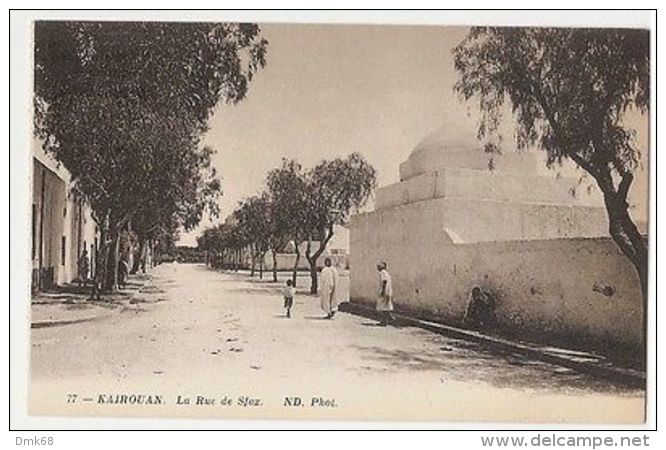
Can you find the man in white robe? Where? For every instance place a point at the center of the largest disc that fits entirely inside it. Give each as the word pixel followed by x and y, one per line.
pixel 328 282
pixel 385 298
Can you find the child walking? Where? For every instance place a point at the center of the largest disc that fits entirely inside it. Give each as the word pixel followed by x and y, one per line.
pixel 288 294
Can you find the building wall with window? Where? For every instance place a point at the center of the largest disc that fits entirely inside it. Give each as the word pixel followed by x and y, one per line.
pixel 62 224
pixel 82 234
pixel 49 210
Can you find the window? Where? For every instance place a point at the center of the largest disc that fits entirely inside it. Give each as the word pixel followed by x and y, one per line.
pixel 63 242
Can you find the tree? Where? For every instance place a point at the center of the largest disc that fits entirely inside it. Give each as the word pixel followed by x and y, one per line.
pixel 232 242
pixel 214 242
pixel 165 239
pixel 115 101
pixel 185 186
pixel 253 222
pixel 278 233
pixel 287 188
pixel 301 206
pixel 334 190
pixel 205 243
pixel 569 90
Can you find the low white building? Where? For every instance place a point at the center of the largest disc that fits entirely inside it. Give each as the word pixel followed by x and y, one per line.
pixel 453 222
pixel 337 249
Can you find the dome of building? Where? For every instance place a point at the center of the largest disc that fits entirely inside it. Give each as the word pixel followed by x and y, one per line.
pixel 450 138
pixel 454 145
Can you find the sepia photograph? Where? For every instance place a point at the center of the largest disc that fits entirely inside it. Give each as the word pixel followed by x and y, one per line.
pixel 338 221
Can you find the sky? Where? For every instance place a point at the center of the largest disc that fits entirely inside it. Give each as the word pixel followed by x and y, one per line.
pixel 328 91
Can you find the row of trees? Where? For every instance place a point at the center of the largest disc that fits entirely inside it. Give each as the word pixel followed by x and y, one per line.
pixel 123 107
pixel 297 206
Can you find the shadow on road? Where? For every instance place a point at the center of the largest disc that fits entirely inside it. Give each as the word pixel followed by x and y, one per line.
pixel 255 290
pixel 467 362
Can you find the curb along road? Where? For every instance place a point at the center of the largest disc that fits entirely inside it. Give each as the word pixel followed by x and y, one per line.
pixel 589 365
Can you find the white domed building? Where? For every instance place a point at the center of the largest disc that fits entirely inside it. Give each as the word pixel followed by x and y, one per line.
pixel 482 197
pixel 455 220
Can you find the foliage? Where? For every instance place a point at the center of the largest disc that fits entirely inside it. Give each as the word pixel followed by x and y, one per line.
pixel 287 188
pixel 123 106
pixel 569 90
pixel 179 194
pixel 301 206
pixel 335 189
pixel 253 227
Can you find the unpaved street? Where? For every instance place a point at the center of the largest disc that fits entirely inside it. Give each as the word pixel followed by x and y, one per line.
pixel 196 334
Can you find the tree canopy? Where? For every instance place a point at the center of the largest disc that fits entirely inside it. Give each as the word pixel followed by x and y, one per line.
pixel 569 90
pixel 302 206
pixel 123 107
pixel 335 189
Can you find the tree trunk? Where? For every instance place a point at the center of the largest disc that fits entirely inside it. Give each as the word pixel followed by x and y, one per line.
pixel 261 266
pixel 294 274
pixel 325 237
pixel 111 281
pixel 274 266
pixel 101 258
pixel 149 251
pixel 139 256
pixel 639 259
pixel 314 281
pixel 626 236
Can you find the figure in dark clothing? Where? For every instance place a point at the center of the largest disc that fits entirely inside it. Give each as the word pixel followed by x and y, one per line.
pixel 123 272
pixel 96 287
pixel 84 268
pixel 288 293
pixel 480 309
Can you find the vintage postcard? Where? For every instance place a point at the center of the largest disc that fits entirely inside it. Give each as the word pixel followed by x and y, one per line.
pixel 333 221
